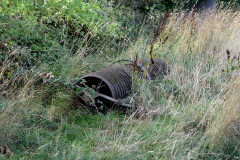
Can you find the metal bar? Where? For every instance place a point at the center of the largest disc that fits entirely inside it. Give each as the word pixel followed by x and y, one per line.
pixel 113 100
pixel 138 64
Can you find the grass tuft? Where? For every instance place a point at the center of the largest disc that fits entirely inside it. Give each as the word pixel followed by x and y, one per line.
pixel 191 113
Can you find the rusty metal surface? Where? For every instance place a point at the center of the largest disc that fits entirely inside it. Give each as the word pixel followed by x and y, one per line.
pixel 157 69
pixel 139 66
pixel 115 82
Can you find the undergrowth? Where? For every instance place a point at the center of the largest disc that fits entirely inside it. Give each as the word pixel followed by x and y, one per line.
pixel 192 113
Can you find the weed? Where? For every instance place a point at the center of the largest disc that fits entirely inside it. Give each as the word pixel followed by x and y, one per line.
pixel 191 113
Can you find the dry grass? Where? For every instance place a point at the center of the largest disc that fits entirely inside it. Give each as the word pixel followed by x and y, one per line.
pixel 193 113
pixel 201 94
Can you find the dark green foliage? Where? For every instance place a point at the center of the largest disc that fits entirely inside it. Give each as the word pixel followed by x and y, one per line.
pixel 44 27
pixel 145 6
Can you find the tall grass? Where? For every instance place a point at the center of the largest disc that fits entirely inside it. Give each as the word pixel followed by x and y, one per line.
pixel 192 113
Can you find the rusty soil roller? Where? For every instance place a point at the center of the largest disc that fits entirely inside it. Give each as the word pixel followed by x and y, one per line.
pixel 114 83
pixel 158 68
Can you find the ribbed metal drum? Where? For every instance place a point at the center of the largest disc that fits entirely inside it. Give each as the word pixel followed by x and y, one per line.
pixel 155 70
pixel 115 82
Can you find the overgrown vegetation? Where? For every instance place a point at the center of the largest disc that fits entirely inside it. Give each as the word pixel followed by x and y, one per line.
pixel 192 113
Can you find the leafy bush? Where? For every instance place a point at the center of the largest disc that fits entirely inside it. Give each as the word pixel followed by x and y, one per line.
pixel 44 27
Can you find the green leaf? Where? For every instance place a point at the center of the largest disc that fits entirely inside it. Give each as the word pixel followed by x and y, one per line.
pixel 80 90
pixel 82 33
